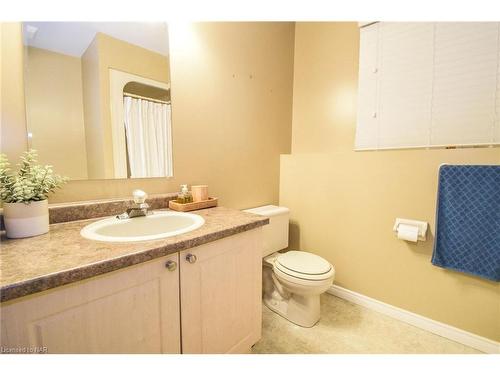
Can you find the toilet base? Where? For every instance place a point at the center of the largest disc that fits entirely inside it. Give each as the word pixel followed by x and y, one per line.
pixel 301 310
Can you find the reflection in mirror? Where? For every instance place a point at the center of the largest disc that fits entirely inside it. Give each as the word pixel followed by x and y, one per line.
pixel 98 98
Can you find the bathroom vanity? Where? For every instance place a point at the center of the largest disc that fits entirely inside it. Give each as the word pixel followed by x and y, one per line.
pixel 198 292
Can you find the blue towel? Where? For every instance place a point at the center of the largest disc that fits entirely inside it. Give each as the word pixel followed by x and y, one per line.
pixel 468 220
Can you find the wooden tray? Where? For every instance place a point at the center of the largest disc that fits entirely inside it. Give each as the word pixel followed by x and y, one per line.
pixel 210 202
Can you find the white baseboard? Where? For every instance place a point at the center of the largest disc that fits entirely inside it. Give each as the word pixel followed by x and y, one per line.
pixel 466 338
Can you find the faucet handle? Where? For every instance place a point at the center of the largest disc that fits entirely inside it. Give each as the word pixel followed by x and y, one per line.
pixel 139 196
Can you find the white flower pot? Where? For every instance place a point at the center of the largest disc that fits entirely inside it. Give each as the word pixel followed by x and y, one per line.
pixel 26 219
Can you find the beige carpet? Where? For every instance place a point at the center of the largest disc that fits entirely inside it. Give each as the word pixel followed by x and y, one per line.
pixel 346 328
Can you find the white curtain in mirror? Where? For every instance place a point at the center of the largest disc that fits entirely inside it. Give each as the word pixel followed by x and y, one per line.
pixel 149 137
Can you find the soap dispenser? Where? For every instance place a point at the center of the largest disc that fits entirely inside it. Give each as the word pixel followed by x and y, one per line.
pixel 185 196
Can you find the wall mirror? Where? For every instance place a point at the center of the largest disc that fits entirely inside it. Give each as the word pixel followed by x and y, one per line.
pixel 98 98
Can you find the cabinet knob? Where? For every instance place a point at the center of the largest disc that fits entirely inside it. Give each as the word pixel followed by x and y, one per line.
pixel 191 258
pixel 171 265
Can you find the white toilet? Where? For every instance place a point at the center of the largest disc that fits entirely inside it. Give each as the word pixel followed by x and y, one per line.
pixel 292 281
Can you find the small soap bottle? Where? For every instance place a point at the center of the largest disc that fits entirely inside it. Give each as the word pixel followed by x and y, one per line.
pixel 184 196
pixel 181 197
pixel 188 197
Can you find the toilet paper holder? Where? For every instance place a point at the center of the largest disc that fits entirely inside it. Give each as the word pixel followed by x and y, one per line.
pixel 422 227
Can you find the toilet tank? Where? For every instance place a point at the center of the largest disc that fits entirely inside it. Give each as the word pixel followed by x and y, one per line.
pixel 276 232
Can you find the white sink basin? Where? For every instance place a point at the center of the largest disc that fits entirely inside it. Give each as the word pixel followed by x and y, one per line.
pixel 159 224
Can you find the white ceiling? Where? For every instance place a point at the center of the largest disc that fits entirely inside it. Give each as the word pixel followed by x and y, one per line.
pixel 73 38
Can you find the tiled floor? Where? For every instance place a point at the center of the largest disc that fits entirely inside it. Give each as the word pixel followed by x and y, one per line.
pixel 347 328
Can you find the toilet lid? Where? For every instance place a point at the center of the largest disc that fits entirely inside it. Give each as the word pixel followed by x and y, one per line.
pixel 303 263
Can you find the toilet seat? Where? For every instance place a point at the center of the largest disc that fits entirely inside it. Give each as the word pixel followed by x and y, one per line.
pixel 303 265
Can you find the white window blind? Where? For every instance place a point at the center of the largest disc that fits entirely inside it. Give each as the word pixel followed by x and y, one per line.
pixel 428 84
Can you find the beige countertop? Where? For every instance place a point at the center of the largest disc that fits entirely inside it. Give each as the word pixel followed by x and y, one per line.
pixel 63 256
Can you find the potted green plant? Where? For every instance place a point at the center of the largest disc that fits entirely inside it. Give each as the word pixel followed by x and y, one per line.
pixel 24 195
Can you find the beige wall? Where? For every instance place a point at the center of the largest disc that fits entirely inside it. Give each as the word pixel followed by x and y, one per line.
pixel 344 203
pixel 231 104
pixel 12 121
pixel 92 112
pixel 54 111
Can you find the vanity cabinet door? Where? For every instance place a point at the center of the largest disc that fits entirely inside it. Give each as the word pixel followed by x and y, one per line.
pixel 134 310
pixel 221 284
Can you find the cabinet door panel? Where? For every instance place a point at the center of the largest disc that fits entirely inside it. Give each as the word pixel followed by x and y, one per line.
pixel 135 310
pixel 221 295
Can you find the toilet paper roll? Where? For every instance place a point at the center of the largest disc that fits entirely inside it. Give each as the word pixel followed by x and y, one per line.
pixel 408 232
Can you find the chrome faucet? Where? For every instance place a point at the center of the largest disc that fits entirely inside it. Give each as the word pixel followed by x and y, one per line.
pixel 139 208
